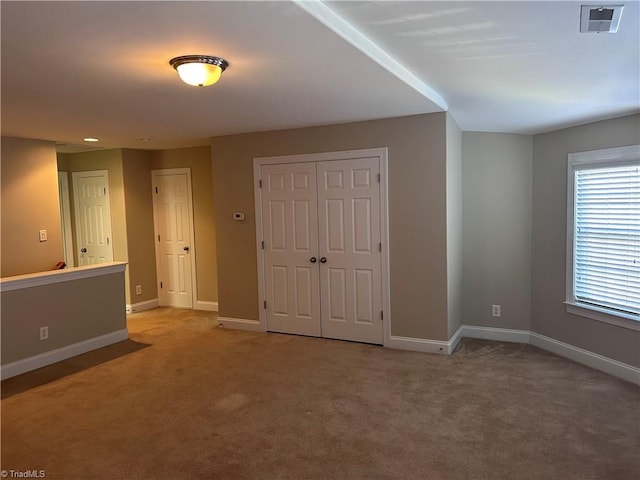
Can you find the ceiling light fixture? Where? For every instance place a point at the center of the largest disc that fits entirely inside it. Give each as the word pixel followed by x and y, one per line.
pixel 90 139
pixel 199 70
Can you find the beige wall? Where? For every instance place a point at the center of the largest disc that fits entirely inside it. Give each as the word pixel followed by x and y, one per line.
pixel 110 160
pixel 29 203
pixel 454 225
pixel 136 172
pixel 62 162
pixel 549 317
pixel 74 311
pixel 132 212
pixel 198 159
pixel 497 229
pixel 417 213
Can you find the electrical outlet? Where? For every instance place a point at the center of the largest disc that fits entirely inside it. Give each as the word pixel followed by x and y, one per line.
pixel 138 289
pixel 495 310
pixel 44 333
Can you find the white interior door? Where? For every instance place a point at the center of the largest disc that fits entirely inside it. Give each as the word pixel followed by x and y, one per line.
pixel 173 224
pixel 93 217
pixel 322 262
pixel 290 219
pixel 350 249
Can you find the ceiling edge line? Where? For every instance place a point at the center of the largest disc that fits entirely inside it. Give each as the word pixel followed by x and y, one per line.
pixel 348 32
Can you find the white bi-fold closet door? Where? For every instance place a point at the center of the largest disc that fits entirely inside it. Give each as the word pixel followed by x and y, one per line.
pixel 322 248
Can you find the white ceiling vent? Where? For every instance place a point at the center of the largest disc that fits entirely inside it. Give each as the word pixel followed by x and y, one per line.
pixel 600 18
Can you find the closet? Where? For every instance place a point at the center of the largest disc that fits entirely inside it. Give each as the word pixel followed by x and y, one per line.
pixel 321 244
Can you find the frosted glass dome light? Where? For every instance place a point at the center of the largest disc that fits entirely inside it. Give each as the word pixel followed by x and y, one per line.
pixel 199 70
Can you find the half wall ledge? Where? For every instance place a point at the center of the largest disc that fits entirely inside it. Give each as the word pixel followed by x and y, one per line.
pixel 56 276
pixel 54 315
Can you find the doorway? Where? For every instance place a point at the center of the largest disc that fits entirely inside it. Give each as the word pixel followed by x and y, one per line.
pixel 93 217
pixel 65 218
pixel 323 249
pixel 174 234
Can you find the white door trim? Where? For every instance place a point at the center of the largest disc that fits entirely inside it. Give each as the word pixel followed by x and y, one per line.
pixel 65 216
pixel 192 255
pixel 382 154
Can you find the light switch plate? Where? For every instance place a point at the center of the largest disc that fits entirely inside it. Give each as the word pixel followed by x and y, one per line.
pixel 43 235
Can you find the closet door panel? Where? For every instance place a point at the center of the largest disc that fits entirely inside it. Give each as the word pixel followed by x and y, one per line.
pixel 349 239
pixel 290 233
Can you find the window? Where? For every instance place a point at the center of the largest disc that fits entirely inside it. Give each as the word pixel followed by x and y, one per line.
pixel 603 235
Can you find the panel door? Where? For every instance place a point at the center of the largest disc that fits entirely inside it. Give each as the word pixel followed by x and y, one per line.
pixel 93 217
pixel 290 223
pixel 172 221
pixel 349 239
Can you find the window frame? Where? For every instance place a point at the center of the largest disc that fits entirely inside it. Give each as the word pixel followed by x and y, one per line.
pixel 609 157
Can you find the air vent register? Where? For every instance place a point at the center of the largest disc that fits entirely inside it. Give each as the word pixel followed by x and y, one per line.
pixel 597 19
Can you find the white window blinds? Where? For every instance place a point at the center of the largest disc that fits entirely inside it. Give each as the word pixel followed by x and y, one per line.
pixel 606 265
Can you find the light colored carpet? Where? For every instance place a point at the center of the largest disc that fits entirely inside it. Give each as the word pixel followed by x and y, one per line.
pixel 184 399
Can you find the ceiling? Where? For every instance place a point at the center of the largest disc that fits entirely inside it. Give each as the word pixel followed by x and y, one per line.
pixel 76 69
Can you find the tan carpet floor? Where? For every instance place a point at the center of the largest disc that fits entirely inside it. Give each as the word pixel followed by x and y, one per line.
pixel 184 399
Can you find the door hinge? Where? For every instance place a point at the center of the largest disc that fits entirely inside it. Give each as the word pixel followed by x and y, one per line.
pixel 158 237
pixel 262 242
pixel 107 240
pixel 380 247
pixel 381 315
pixel 105 190
pixel 265 304
pixel 160 284
pixel 259 183
pixel 156 189
pixel 378 178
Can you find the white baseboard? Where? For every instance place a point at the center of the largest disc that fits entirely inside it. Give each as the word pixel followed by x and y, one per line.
pixel 240 324
pixel 413 344
pixel 43 359
pixel 142 306
pixel 151 304
pixel 579 355
pixel 455 339
pixel 419 345
pixel 491 333
pixel 206 306
pixel 585 357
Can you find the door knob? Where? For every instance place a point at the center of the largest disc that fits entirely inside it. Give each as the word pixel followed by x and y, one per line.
pixel 83 250
pixel 323 260
pixel 313 259
pixel 186 249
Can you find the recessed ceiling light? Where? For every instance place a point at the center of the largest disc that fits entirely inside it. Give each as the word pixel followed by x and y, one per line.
pixel 90 139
